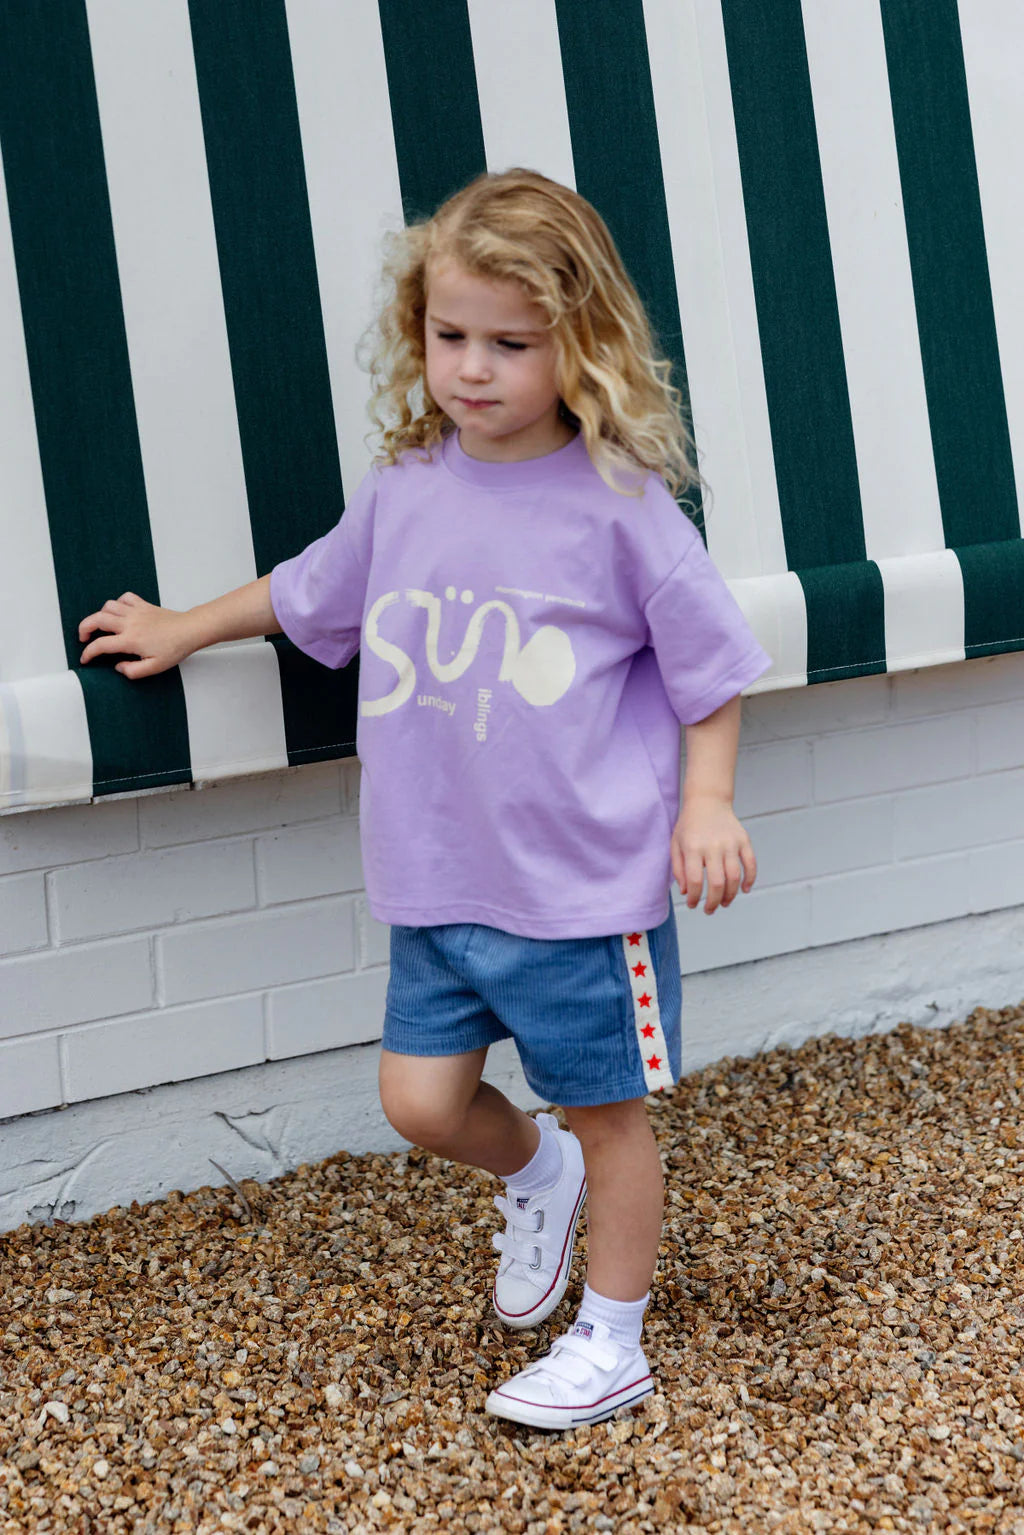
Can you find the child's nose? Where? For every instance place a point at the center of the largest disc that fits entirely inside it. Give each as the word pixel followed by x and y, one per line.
pixel 475 361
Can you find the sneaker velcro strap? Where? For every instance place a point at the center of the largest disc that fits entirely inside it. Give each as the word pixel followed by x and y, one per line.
pixel 519 1217
pixel 522 1252
pixel 592 1352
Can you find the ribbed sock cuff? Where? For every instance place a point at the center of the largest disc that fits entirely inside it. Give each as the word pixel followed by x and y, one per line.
pixel 543 1170
pixel 624 1319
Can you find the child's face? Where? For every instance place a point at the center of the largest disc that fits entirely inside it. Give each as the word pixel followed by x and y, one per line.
pixel 491 366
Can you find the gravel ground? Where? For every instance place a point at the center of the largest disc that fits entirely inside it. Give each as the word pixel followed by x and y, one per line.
pixel 834 1328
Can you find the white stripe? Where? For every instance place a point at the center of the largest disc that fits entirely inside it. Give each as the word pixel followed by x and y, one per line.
pixel 31 634
pixel 354 194
pixel 924 610
pixel 520 87
pixel 731 534
pixel 178 349
pixel 699 261
pixel 864 203
pixel 45 756
pixel 993 41
pixel 646 1012
pixel 775 609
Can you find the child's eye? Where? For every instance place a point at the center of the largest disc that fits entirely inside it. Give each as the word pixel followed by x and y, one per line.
pixel 449 335
pixel 513 346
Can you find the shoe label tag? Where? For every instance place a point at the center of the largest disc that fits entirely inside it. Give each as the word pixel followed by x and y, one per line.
pixel 522 1200
pixel 583 1330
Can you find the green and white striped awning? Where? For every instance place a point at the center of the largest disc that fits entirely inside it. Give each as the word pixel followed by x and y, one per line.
pixel 819 203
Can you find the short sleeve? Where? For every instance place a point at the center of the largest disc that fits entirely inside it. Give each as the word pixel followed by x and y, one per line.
pixel 705 649
pixel 318 596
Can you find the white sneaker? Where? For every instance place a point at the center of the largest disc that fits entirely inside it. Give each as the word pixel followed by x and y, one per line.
pixel 584 1379
pixel 539 1237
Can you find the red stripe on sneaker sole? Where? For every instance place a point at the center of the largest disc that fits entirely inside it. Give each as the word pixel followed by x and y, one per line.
pixel 601 1403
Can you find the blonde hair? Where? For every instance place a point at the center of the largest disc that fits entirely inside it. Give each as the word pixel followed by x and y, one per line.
pixel 519 226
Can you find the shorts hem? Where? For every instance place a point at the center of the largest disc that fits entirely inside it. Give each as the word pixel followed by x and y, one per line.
pixel 597 1097
pixel 404 1038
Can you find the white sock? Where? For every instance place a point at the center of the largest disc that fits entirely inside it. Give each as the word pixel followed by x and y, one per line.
pixel 543 1170
pixel 624 1319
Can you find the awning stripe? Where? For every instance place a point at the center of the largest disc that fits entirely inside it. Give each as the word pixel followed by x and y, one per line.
pixel 352 182
pixel 993 596
pixel 744 541
pixel 846 53
pixel 997 123
pixel 274 324
pixel 181 368
pixel 513 44
pixel 845 620
pixel 946 238
pixel 797 312
pixel 434 108
pixel 614 128
pixel 81 383
pixel 31 634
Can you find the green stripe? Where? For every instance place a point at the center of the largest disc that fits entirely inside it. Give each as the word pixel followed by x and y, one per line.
pixel 435 110
pixel 952 292
pixel 617 157
pixel 794 286
pixel 993 577
pixel 81 381
pixel 845 621
pixel 274 324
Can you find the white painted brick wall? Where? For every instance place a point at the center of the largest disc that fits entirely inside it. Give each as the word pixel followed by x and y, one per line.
pixel 178 935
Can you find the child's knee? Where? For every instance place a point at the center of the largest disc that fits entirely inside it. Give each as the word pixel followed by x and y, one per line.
pixel 593 1123
pixel 414 1107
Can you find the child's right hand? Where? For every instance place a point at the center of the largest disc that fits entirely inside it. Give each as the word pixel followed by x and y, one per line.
pixel 161 637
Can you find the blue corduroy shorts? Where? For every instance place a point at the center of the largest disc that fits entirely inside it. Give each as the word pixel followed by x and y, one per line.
pixel 595 1020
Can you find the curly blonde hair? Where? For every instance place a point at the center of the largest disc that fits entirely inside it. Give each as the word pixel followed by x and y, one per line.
pixel 519 226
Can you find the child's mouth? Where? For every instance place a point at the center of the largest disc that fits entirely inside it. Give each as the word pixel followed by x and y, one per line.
pixel 477 404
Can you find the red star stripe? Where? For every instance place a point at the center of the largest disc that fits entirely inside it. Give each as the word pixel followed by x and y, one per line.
pixel 654 1061
pixel 645 1000
pixel 639 969
pixel 634 939
pixel 648 1031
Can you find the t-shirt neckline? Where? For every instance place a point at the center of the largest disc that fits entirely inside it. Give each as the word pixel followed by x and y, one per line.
pixel 523 471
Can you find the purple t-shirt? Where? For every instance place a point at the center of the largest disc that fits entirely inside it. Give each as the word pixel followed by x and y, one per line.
pixel 530 641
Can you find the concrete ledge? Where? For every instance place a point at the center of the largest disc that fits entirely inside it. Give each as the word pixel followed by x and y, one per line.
pixel 261 1121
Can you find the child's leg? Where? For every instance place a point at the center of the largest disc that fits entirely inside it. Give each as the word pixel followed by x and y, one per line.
pixel 599 1365
pixel 626 1196
pixel 439 1102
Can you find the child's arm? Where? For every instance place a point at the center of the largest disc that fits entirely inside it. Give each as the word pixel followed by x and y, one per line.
pixel 162 637
pixel 707 834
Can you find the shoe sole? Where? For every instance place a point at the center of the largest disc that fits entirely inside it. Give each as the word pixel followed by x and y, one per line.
pixel 535 1416
pixel 552 1300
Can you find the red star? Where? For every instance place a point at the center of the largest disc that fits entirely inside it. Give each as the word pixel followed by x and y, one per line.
pixel 634 939
pixel 645 1000
pixel 639 969
pixel 654 1062
pixel 648 1031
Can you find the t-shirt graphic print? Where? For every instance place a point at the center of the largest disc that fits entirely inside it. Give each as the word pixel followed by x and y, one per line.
pixel 540 668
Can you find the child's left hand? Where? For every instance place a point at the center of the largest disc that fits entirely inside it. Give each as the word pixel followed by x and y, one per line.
pixel 707 836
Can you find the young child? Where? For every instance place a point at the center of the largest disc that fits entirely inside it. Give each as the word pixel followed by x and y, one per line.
pixel 536 616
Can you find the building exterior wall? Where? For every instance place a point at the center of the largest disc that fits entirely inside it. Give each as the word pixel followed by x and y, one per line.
pixel 212 935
